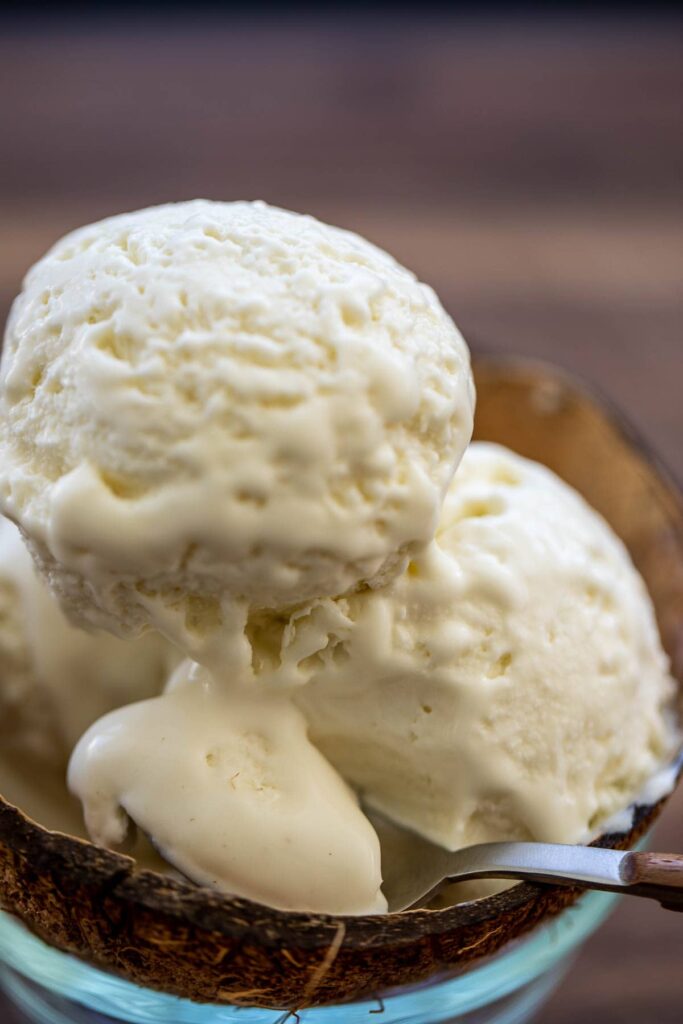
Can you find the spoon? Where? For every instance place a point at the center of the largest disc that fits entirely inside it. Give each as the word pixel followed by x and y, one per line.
pixel 415 870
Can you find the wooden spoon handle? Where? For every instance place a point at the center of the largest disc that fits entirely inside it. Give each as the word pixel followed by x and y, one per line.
pixel 659 875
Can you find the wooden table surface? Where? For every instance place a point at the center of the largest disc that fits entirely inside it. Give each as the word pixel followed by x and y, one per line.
pixel 532 172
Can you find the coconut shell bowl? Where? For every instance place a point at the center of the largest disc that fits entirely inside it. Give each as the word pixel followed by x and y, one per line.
pixel 178 938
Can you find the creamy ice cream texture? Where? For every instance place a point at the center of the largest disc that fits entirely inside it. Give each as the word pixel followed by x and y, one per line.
pixel 212 407
pixel 55 680
pixel 510 684
pixel 239 427
pixel 234 795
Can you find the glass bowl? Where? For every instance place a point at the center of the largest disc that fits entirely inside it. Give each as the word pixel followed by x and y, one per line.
pixel 51 987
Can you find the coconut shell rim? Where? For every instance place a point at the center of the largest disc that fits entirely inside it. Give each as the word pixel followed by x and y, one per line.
pixel 236 917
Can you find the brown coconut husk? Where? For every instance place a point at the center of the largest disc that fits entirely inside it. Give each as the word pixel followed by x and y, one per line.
pixel 180 938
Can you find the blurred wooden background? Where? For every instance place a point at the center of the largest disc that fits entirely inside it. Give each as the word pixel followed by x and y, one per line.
pixel 531 171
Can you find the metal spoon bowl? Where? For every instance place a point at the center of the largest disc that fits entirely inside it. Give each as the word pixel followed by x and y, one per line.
pixel 415 870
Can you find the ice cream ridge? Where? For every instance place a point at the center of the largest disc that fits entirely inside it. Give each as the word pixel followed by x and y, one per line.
pixel 249 432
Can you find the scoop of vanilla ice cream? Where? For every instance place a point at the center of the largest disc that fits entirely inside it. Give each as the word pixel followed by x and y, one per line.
pixel 511 684
pixel 233 794
pixel 210 406
pixel 56 680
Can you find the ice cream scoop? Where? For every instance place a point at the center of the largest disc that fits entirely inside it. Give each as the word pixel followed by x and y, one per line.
pixel 55 680
pixel 211 407
pixel 233 794
pixel 509 685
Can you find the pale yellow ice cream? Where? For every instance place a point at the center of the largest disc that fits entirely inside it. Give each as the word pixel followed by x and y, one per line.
pixel 511 684
pixel 239 426
pixel 55 680
pixel 233 794
pixel 210 407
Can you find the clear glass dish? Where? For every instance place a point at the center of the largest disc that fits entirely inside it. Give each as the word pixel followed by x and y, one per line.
pixel 51 987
